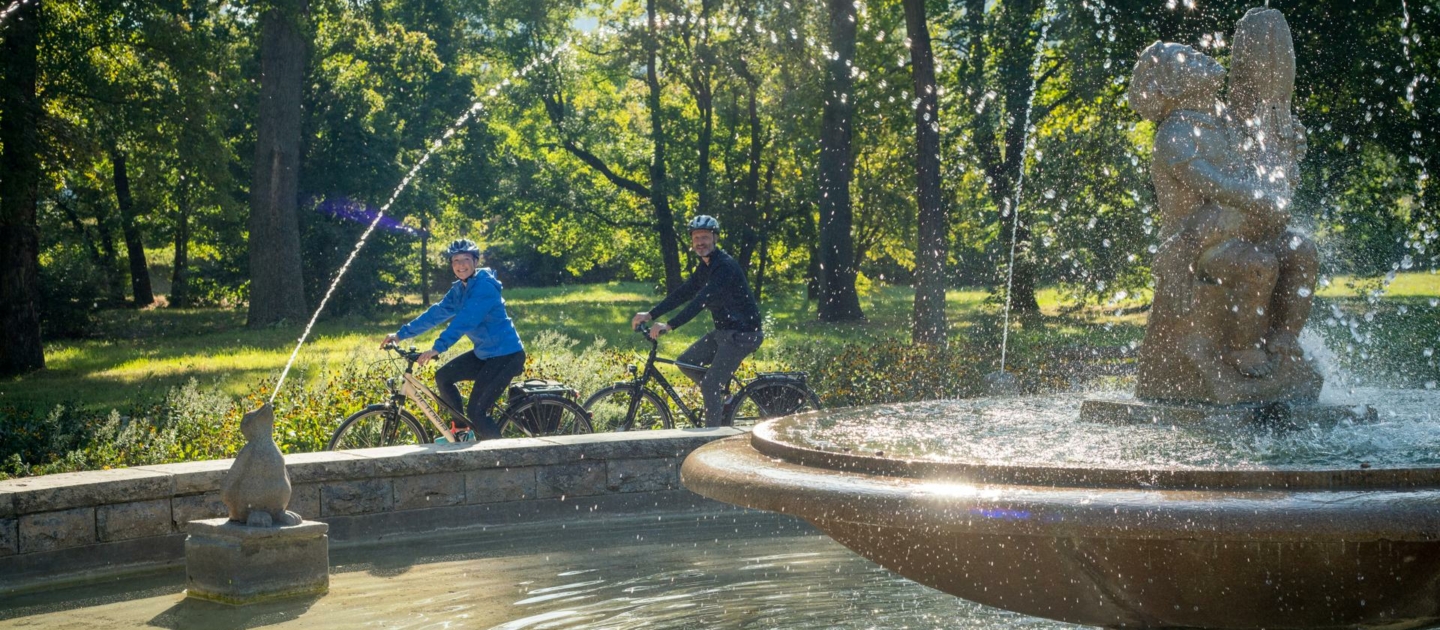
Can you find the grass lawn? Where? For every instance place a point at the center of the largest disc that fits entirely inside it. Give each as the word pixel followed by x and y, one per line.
pixel 138 355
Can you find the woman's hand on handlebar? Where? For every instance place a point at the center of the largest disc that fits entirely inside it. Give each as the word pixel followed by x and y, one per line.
pixel 658 329
pixel 425 357
pixel 389 341
pixel 639 319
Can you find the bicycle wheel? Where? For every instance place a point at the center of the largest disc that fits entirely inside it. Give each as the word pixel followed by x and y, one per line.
pixel 761 400
pixel 545 414
pixel 607 409
pixel 378 425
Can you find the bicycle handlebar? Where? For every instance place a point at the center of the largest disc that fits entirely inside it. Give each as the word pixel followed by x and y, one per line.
pixel 411 355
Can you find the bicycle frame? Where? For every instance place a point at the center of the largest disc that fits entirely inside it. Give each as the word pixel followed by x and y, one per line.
pixel 413 390
pixel 652 373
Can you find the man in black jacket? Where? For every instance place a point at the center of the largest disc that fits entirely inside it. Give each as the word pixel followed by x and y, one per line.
pixel 719 285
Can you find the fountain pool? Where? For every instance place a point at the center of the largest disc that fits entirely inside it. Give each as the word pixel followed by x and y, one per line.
pixel 732 568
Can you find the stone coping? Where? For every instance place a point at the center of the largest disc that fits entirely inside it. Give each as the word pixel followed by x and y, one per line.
pixel 766 440
pixel 54 525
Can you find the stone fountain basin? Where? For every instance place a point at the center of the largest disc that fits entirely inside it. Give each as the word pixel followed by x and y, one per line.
pixel 1135 548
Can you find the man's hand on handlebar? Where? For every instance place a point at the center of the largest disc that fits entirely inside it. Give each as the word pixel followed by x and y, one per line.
pixel 638 319
pixel 425 357
pixel 658 329
pixel 390 340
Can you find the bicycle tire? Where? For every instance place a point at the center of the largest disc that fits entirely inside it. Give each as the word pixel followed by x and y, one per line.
pixel 375 426
pixel 764 399
pixel 545 414
pixel 607 409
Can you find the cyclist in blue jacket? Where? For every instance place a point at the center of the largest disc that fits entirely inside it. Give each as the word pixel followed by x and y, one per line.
pixel 474 308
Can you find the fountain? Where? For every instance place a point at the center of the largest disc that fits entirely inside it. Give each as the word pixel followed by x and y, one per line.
pixel 1226 493
pixel 262 551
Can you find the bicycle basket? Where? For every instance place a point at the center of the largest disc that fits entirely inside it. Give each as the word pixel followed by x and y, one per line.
pixel 541 420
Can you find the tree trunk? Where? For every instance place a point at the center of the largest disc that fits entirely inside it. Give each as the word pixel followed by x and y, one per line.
pixel 180 274
pixel 766 218
pixel 704 102
pixel 20 112
pixel 424 258
pixel 277 289
pixel 104 224
pixel 751 227
pixel 1002 159
pixel 932 225
pixel 134 246
pixel 838 298
pixel 664 217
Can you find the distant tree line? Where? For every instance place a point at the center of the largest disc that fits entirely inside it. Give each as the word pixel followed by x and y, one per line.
pixel 241 148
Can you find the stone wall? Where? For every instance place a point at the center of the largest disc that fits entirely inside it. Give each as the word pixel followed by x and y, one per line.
pixel 77 524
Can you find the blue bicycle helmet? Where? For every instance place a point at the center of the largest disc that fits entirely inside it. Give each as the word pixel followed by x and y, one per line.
pixel 462 246
pixel 704 222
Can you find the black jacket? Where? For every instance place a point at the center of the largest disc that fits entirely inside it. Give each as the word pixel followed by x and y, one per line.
pixel 719 286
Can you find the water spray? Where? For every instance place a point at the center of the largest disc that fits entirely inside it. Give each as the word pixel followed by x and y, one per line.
pixel 1001 381
pixel 435 145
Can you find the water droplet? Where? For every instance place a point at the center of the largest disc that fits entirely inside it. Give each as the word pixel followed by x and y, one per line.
pixel 1304 292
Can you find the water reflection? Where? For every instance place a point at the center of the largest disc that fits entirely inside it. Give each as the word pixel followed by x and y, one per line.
pixel 734 570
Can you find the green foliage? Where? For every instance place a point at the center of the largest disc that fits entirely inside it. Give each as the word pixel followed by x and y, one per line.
pixel 864 373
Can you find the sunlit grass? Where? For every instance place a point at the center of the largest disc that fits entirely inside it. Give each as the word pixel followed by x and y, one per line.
pixel 141 354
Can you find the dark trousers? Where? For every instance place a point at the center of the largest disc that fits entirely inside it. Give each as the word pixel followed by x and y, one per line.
pixel 491 377
pixel 721 351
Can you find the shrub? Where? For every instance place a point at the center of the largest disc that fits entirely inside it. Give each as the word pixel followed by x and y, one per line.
pixel 865 373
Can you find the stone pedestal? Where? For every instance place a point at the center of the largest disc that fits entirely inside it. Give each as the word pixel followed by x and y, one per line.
pixel 1280 415
pixel 236 564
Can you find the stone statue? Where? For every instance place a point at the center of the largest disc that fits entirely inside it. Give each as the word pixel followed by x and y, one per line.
pixel 257 488
pixel 1233 282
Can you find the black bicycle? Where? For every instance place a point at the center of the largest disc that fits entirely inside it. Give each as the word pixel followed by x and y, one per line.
pixel 631 404
pixel 533 408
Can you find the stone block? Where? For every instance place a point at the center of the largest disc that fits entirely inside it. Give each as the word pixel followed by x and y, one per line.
pixel 196 507
pixel 415 459
pixel 571 480
pixel 513 453
pixel 643 475
pixel 9 537
pixel 7 504
pixel 123 521
pixel 366 496
pixel 322 466
pixel 52 493
pixel 233 564
pixel 641 444
pixel 428 491
pixel 194 477
pixel 500 484
pixel 61 529
pixel 305 500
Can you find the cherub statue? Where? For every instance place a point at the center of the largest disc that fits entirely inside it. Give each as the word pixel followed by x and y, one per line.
pixel 1233 282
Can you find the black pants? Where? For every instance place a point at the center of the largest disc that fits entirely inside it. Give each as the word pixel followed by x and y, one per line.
pixel 491 377
pixel 721 351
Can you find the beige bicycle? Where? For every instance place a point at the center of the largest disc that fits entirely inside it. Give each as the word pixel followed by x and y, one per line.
pixel 533 408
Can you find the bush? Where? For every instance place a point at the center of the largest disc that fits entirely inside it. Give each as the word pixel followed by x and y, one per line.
pixel 866 373
pixel 191 422
pixel 71 288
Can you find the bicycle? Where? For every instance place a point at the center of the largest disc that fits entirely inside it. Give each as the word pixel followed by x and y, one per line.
pixel 533 408
pixel 627 404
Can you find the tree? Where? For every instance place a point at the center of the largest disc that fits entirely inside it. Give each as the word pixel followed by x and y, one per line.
pixel 20 114
pixel 838 299
pixel 277 291
pixel 932 221
pixel 134 246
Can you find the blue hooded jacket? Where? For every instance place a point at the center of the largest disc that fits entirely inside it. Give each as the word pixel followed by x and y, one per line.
pixel 478 312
